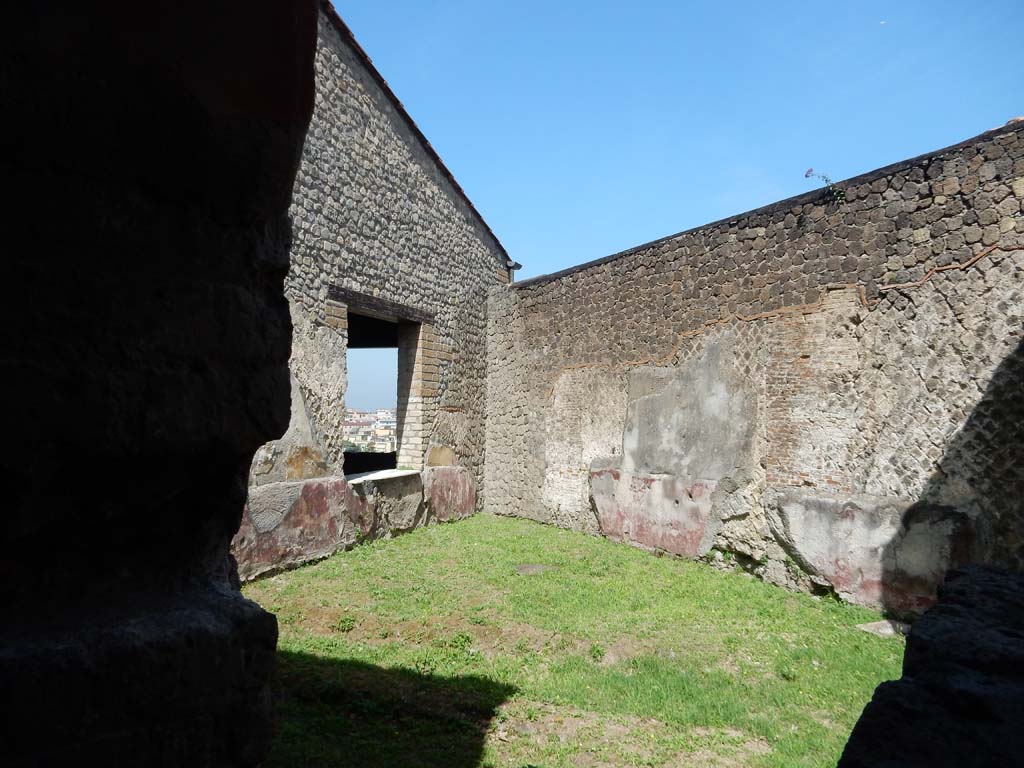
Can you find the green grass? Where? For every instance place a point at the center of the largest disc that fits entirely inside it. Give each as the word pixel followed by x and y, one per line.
pixel 432 650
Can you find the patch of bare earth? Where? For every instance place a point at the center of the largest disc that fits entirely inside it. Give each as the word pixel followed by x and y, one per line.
pixel 488 638
pixel 737 758
pixel 732 749
pixel 824 719
pixel 742 664
pixel 626 648
pixel 526 731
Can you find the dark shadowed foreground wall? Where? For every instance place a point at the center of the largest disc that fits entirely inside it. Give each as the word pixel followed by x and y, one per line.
pixel 148 153
pixel 960 701
pixel 827 391
pixel 381 230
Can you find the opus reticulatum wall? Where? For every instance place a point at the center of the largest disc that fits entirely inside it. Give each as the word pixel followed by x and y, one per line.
pixel 827 390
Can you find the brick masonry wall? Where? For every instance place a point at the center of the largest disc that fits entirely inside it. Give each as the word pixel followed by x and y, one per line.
pixel 866 353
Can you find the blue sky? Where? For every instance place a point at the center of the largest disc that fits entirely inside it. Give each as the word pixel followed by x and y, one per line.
pixel 372 379
pixel 579 129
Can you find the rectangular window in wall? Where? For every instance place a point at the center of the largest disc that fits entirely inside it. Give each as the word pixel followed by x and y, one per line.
pixel 370 429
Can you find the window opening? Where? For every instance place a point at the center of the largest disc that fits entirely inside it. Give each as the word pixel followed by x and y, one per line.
pixel 370 428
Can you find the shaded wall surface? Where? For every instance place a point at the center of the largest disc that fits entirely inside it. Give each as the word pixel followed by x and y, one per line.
pixel 825 391
pixel 381 229
pixel 960 700
pixel 148 154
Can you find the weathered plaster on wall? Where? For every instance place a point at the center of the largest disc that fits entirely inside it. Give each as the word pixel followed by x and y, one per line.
pixel 588 408
pixel 866 350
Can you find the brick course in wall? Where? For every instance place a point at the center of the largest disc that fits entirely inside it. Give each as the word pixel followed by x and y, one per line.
pixel 862 338
pixel 824 390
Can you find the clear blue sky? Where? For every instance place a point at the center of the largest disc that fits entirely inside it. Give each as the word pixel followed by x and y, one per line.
pixel 372 379
pixel 581 128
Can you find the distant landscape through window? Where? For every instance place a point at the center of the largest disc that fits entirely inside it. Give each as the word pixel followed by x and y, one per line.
pixel 370 400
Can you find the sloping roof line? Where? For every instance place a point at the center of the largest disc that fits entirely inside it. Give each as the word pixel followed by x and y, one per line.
pixel 813 196
pixel 348 37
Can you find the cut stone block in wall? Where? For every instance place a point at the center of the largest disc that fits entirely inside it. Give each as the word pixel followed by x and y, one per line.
pixel 659 512
pixel 881 552
pixel 391 502
pixel 336 315
pixel 288 524
pixel 450 493
pixel 867 355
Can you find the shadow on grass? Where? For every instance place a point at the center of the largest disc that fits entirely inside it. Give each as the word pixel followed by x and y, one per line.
pixel 346 713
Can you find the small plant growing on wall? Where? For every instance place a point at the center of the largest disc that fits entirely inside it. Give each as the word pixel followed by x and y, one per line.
pixel 838 195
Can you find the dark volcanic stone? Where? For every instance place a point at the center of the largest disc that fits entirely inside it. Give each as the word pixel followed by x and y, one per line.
pixel 182 682
pixel 148 154
pixel 960 701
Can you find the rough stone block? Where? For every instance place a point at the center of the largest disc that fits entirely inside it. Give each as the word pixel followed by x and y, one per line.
pixel 658 512
pixel 960 701
pixel 450 492
pixel 393 501
pixel 189 675
pixel 286 524
pixel 879 551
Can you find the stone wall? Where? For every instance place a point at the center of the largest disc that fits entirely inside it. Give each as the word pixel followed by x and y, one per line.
pixel 149 153
pixel 378 220
pixel 290 523
pixel 825 391
pixel 960 699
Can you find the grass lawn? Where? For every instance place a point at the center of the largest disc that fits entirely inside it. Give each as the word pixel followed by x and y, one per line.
pixel 439 648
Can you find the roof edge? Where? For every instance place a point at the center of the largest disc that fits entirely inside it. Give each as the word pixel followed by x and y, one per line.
pixel 806 197
pixel 342 28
